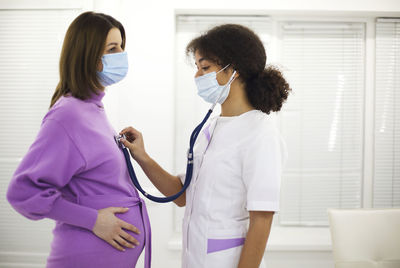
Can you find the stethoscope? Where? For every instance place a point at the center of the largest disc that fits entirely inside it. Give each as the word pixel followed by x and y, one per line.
pixel 190 157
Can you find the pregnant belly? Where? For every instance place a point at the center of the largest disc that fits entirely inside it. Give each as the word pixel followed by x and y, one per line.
pixel 77 247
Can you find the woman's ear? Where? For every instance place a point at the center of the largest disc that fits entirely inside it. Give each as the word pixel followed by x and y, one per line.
pixel 236 76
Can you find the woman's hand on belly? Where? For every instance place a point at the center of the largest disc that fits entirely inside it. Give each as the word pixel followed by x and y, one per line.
pixel 110 228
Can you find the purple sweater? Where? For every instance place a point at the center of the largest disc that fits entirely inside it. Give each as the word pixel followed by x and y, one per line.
pixel 73 155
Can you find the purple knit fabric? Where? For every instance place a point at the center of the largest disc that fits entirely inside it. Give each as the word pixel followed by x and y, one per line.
pixel 74 159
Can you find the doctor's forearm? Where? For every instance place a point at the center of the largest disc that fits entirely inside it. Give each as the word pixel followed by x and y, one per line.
pixel 166 183
pixel 256 239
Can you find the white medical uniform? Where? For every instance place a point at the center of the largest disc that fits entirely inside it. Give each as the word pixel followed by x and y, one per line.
pixel 237 169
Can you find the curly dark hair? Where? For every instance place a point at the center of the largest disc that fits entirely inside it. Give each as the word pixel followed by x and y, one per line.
pixel 234 44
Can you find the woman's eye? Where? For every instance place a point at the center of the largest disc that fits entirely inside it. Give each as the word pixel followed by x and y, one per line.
pixel 205 68
pixel 111 49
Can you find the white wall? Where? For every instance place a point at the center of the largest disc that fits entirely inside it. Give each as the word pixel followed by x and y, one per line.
pixel 145 100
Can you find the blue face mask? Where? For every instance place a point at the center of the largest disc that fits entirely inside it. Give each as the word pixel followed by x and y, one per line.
pixel 115 68
pixel 210 90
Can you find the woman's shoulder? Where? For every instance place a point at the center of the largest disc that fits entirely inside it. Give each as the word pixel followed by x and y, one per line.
pixel 256 122
pixel 263 135
pixel 67 110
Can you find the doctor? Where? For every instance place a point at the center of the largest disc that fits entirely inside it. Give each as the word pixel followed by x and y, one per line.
pixel 238 157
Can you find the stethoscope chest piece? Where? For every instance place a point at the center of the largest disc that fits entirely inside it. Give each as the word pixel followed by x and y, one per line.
pixel 118 138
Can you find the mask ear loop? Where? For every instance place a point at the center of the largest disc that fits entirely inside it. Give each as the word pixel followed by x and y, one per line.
pixel 226 85
pixel 223 68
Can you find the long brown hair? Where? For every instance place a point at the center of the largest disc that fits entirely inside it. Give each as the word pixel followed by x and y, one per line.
pixel 81 53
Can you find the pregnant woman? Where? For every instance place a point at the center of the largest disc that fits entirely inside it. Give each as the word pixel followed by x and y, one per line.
pixel 74 172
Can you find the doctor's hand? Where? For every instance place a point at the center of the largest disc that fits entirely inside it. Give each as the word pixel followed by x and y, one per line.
pixel 110 228
pixel 134 142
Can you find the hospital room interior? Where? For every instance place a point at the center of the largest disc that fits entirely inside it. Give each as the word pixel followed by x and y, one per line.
pixel 339 203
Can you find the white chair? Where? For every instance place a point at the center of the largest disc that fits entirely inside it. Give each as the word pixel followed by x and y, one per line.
pixel 365 238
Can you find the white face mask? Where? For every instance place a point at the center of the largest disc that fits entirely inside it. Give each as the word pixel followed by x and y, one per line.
pixel 209 89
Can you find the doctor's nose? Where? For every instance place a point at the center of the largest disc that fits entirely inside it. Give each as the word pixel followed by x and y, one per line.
pixel 197 74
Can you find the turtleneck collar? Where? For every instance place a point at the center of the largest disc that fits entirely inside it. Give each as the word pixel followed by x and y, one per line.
pixel 96 98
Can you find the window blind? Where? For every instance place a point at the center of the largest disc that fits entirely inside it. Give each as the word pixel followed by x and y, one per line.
pixel 30 48
pixel 387 115
pixel 322 122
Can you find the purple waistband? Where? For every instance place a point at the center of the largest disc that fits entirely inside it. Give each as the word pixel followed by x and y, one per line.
pixel 104 201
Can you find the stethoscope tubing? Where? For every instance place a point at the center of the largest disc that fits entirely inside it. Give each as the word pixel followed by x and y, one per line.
pixel 189 167
pixel 190 157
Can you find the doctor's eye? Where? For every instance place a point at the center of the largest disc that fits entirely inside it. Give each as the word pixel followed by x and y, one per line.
pixel 111 49
pixel 205 68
